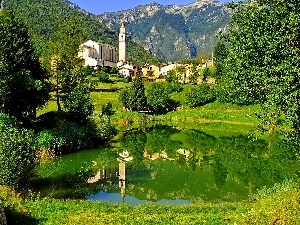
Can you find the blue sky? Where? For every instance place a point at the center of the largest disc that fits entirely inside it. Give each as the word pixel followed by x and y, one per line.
pixel 101 6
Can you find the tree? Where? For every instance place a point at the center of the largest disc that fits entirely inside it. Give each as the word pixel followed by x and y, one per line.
pixel 263 59
pixel 200 95
pixel 64 48
pixel 206 73
pixel 76 97
pixel 194 74
pixel 171 76
pixel 158 96
pixel 17 155
pixel 220 54
pixel 23 82
pixel 134 98
pixel 181 73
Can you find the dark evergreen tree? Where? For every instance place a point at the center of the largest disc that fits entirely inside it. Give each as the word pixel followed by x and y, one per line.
pixel 134 98
pixel 138 99
pixel 220 54
pixel 23 82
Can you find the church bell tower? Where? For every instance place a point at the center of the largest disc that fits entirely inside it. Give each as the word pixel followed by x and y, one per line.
pixel 122 43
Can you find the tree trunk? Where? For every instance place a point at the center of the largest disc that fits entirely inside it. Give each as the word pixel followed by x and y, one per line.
pixel 57 100
pixel 57 94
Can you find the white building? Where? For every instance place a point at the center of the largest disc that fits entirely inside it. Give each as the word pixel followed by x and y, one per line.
pixel 127 70
pixel 165 69
pixel 98 54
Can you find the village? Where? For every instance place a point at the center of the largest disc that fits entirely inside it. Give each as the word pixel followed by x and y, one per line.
pixel 96 55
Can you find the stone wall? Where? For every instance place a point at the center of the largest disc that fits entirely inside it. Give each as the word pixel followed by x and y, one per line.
pixel 2 216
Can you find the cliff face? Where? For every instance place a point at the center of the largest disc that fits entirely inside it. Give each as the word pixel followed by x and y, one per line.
pixel 173 32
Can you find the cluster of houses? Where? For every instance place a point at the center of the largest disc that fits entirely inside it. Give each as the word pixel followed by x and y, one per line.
pixel 97 54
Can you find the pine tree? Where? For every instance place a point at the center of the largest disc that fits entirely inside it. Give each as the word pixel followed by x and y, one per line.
pixel 23 82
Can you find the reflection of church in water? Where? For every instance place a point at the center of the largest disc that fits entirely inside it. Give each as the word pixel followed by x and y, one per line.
pixel 112 172
pixel 117 169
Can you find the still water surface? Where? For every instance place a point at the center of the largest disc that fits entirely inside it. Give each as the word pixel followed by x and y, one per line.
pixel 168 165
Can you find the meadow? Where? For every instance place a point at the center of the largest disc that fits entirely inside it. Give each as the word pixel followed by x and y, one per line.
pixel 279 204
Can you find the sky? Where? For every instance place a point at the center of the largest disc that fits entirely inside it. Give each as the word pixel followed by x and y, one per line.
pixel 101 6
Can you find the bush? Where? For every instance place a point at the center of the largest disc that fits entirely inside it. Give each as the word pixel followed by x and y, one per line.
pixel 200 95
pixel 174 87
pixel 158 96
pixel 107 109
pixel 103 76
pixel 60 133
pixel 17 153
pixel 78 102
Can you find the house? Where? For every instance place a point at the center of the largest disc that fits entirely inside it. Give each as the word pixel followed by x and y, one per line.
pixel 151 71
pixel 127 70
pixel 165 69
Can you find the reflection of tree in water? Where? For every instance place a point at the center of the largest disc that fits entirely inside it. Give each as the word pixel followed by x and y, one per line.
pixel 134 142
pixel 220 172
pixel 202 141
pixel 159 139
pixel 256 163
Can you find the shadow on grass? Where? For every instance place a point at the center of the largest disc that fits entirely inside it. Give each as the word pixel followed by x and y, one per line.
pixel 14 217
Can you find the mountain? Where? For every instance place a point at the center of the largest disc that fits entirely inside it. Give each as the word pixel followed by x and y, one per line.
pixel 43 17
pixel 173 32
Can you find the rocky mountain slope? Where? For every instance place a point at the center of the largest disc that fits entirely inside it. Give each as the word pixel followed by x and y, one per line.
pixel 173 32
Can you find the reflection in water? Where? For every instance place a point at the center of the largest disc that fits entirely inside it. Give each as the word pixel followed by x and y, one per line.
pixel 174 164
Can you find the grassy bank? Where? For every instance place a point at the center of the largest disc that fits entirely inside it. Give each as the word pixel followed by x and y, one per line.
pixel 280 204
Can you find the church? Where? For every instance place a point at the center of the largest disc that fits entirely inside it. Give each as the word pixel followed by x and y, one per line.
pixel 99 54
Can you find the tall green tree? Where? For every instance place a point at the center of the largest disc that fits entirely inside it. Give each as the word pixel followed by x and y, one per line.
pixel 158 96
pixel 134 98
pixel 220 54
pixel 23 82
pixel 69 76
pixel 263 63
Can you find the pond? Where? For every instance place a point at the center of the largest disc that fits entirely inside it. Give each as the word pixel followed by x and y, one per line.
pixel 169 165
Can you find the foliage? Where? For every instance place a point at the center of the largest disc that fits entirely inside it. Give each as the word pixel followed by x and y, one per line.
pixel 103 76
pixel 58 133
pixel 24 85
pixel 114 70
pixel 78 102
pixel 171 76
pixel 158 96
pixel 206 73
pixel 263 60
pixel 200 95
pixel 134 98
pixel 17 155
pixel 194 75
pixel 174 87
pixel 220 54
pixel 62 133
pixel 101 127
pixel 107 109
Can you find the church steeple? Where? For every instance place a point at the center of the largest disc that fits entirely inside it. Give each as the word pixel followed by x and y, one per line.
pixel 122 42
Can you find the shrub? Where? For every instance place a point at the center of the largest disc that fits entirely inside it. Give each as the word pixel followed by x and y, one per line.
pixel 175 87
pixel 200 95
pixel 158 96
pixel 103 76
pixel 107 109
pixel 17 155
pixel 78 102
pixel 60 133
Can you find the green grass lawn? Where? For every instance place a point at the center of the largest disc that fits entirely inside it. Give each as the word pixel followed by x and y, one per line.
pixel 279 204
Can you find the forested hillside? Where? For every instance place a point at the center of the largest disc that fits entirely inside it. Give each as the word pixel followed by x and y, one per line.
pixel 44 17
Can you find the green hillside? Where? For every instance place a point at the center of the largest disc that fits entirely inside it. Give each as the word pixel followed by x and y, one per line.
pixel 44 17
